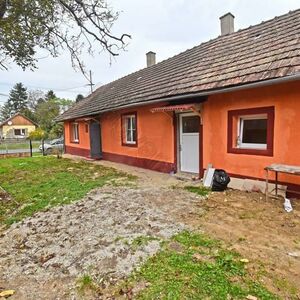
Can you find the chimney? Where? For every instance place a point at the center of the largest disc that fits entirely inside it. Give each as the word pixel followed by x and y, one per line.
pixel 151 58
pixel 227 24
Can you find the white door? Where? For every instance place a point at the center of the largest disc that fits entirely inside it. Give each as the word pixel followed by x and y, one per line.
pixel 189 142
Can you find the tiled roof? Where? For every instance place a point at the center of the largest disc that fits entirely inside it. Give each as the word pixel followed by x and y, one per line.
pixel 265 51
pixel 16 115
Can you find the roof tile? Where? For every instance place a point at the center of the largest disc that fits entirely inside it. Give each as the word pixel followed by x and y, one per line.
pixel 265 51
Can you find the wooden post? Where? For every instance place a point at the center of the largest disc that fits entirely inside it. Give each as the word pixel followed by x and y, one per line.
pixel 43 149
pixel 30 145
pixel 267 185
pixel 276 183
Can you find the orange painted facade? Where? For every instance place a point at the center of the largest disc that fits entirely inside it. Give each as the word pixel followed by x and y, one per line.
pixel 154 130
pixel 84 136
pixel 157 138
pixel 286 100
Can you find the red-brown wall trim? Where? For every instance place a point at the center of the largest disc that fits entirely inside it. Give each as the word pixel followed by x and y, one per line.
pixel 154 165
pixel 77 151
pixel 270 131
pixel 136 129
pixel 291 187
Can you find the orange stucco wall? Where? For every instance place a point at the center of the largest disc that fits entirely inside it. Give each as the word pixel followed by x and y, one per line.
pixel 155 135
pixel 156 132
pixel 286 100
pixel 84 137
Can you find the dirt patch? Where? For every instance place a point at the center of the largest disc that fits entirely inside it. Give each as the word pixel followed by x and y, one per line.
pixel 107 234
pixel 261 231
pixel 4 196
pixel 42 256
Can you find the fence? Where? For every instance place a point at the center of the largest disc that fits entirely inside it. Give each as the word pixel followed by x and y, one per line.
pixel 18 147
pixel 26 147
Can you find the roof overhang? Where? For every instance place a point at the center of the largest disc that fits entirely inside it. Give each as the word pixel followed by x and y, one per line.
pixel 187 96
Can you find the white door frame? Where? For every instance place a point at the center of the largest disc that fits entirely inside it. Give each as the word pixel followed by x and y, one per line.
pixel 180 138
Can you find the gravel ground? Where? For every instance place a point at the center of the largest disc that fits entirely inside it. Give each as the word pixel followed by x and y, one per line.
pixel 42 256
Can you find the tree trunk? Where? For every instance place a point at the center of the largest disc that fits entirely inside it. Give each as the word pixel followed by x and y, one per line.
pixel 2 8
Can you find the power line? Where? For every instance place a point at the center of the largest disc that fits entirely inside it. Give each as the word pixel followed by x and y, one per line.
pixel 48 88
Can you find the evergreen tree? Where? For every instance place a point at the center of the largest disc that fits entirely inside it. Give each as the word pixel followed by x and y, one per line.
pixel 4 112
pixel 30 114
pixel 18 99
pixel 50 95
pixel 79 97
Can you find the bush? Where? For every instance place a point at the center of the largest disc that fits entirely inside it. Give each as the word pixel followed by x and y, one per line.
pixel 37 134
pixel 56 131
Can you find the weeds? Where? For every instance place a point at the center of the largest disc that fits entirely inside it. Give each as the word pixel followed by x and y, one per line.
pixel 141 241
pixel 200 190
pixel 85 282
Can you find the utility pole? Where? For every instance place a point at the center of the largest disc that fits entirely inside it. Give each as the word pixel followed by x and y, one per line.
pixel 91 82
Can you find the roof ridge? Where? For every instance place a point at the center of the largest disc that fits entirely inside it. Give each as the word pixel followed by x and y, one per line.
pixel 203 43
pixel 189 63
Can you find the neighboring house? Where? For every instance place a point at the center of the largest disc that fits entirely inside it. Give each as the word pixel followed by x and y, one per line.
pixel 17 127
pixel 233 101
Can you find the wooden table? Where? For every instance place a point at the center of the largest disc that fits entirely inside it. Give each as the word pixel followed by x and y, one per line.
pixel 280 168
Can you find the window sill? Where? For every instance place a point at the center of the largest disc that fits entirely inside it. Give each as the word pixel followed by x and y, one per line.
pixel 129 144
pixel 262 152
pixel 74 142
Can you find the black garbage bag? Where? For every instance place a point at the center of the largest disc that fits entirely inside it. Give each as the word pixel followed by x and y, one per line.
pixel 220 180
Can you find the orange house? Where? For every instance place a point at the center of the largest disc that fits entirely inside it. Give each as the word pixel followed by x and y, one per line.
pixel 233 102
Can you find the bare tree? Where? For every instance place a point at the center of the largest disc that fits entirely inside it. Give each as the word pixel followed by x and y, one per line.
pixel 78 26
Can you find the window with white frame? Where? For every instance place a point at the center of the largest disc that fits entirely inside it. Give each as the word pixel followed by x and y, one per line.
pixel 130 131
pixel 19 132
pixel 252 132
pixel 75 132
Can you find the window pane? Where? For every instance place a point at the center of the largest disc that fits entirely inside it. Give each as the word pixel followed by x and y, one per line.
pixel 75 132
pixel 255 131
pixel 129 129
pixel 134 135
pixel 128 135
pixel 17 131
pixel 190 124
pixel 128 123
pixel 133 122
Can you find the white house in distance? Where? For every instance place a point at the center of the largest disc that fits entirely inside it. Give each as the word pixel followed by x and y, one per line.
pixel 17 127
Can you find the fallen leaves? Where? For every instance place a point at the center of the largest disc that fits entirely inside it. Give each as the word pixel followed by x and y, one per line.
pixel 45 258
pixel 250 297
pixel 7 293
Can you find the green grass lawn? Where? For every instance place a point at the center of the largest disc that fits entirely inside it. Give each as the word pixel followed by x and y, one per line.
pixel 191 265
pixel 39 182
pixel 200 268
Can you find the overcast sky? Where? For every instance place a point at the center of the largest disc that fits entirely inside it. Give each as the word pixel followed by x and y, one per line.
pixel 163 26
